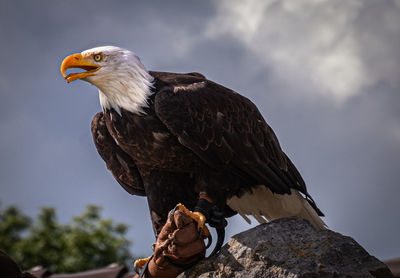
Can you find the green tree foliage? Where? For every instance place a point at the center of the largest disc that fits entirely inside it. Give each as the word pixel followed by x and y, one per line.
pixel 87 242
pixel 12 224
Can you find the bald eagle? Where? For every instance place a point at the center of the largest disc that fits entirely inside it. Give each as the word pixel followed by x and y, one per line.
pixel 173 136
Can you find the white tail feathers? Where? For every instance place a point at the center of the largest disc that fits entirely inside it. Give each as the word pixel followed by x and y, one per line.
pixel 262 204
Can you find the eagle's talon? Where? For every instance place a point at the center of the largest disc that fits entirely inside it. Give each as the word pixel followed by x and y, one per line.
pixel 139 264
pixel 198 217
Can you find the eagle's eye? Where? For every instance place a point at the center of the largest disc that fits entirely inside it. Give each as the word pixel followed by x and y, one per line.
pixel 98 57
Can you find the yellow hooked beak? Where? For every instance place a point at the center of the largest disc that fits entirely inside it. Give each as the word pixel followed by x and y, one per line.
pixel 78 61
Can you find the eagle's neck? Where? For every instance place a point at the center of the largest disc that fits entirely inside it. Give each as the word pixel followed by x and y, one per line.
pixel 128 89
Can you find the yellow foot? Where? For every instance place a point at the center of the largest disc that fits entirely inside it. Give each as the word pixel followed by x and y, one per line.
pixel 198 217
pixel 139 264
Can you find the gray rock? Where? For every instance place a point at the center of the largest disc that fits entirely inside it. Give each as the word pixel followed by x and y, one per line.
pixel 289 247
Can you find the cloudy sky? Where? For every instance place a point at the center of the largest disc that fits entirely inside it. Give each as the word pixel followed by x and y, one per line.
pixel 325 75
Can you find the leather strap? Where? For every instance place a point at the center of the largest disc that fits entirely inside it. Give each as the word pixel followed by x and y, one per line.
pixel 144 269
pixel 215 218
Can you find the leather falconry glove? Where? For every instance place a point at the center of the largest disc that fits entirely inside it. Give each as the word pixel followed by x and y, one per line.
pixel 179 246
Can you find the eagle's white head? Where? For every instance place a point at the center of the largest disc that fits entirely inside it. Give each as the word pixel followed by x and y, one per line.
pixel 121 78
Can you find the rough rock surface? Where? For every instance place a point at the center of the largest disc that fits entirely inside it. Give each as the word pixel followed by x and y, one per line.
pixel 289 247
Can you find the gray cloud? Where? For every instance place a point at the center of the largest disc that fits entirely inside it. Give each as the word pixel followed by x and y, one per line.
pixel 323 46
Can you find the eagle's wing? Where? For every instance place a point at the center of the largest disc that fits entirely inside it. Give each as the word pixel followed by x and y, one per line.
pixel 118 162
pixel 226 129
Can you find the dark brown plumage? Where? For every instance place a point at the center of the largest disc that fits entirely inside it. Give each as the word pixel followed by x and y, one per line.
pixel 195 136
